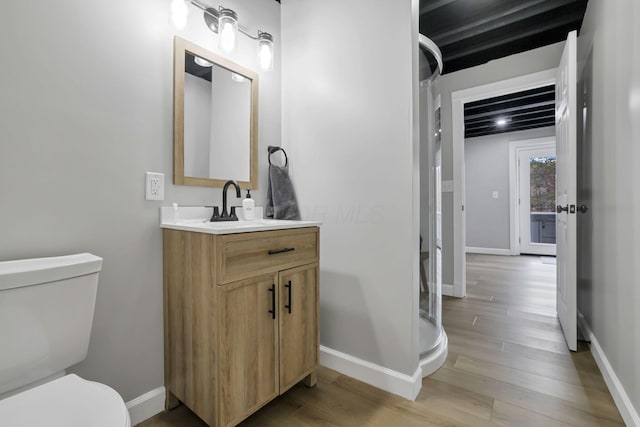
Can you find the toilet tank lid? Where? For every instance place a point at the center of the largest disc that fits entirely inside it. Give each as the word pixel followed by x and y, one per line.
pixel 27 272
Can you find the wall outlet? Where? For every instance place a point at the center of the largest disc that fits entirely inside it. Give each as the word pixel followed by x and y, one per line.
pixel 155 186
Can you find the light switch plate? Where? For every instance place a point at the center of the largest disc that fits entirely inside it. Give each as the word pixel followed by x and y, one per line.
pixel 155 186
pixel 447 186
pixel 494 194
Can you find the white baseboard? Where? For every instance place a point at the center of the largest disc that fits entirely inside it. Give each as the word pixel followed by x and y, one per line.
pixel 620 397
pixel 146 406
pixel 447 290
pixel 378 376
pixel 488 251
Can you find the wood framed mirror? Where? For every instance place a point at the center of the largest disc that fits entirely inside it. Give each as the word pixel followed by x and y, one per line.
pixel 215 119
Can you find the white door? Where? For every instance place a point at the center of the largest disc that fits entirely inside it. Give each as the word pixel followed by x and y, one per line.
pixel 566 177
pixel 537 200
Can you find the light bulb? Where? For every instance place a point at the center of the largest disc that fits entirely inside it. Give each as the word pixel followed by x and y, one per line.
pixel 179 13
pixel 266 58
pixel 228 27
pixel 265 51
pixel 227 38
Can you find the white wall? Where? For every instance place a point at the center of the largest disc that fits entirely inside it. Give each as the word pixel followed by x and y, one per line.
pixel 86 109
pixel 230 126
pixel 197 126
pixel 609 183
pixel 520 64
pixel 349 122
pixel 486 171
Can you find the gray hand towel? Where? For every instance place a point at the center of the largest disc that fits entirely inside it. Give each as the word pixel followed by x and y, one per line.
pixel 281 198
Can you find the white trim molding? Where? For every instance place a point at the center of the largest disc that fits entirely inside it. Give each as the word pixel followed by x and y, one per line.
pixel 488 251
pixel 146 406
pixel 447 290
pixel 378 376
pixel 620 397
pixel 458 99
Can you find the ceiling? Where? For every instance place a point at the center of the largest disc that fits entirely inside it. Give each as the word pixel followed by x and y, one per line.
pixel 529 109
pixel 473 32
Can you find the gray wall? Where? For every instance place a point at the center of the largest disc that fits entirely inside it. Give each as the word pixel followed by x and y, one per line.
pixel 487 170
pixel 609 183
pixel 349 112
pixel 540 59
pixel 86 110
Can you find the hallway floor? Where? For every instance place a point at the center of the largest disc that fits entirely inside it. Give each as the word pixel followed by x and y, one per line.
pixel 507 365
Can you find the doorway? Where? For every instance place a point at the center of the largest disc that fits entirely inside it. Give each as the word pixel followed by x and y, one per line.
pixel 459 99
pixel 535 164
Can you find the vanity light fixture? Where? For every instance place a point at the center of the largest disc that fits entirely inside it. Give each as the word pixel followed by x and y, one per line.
pixel 238 78
pixel 265 51
pixel 224 22
pixel 228 30
pixel 202 62
pixel 179 13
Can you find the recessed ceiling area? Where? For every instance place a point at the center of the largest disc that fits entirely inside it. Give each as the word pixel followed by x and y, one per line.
pixel 473 32
pixel 529 109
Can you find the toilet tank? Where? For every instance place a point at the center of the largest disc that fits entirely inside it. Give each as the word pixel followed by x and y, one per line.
pixel 46 313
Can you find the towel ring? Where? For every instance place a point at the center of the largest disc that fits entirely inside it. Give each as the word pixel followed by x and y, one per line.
pixel 273 149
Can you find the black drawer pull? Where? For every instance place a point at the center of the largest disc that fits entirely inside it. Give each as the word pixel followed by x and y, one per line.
pixel 272 289
pixel 288 306
pixel 280 251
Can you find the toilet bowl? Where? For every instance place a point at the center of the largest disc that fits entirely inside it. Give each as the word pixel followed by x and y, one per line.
pixel 46 314
pixel 69 401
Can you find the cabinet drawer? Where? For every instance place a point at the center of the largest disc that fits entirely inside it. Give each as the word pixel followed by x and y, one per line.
pixel 244 255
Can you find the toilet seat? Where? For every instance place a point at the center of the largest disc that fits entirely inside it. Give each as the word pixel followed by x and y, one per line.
pixel 69 401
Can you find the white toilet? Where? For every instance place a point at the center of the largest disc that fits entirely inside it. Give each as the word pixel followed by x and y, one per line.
pixel 46 313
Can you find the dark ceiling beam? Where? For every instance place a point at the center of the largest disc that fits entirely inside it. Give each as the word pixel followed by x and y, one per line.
pixel 501 130
pixel 517 13
pixel 429 7
pixel 573 17
pixel 509 110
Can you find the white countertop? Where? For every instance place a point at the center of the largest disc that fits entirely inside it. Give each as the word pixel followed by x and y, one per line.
pixel 197 219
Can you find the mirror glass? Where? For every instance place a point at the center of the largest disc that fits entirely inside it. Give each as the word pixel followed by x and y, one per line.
pixel 215 117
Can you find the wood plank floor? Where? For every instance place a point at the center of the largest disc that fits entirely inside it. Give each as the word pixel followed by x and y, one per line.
pixel 508 365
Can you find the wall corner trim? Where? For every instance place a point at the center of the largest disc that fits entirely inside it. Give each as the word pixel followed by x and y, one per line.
pixel 378 376
pixel 623 402
pixel 146 406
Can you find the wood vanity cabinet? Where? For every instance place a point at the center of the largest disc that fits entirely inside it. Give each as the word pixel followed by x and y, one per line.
pixel 241 319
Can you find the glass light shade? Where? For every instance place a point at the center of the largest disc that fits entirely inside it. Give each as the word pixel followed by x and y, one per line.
pixel 202 62
pixel 179 13
pixel 265 51
pixel 238 78
pixel 228 30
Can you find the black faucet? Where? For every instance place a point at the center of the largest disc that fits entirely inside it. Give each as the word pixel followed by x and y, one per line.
pixel 225 216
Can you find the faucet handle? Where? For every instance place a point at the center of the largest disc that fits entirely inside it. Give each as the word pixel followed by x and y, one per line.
pixel 216 213
pixel 232 215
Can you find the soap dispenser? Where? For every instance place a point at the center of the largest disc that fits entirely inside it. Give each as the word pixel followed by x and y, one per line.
pixel 248 205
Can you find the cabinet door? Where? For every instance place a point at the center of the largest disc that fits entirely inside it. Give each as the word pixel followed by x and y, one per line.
pixel 299 339
pixel 248 365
